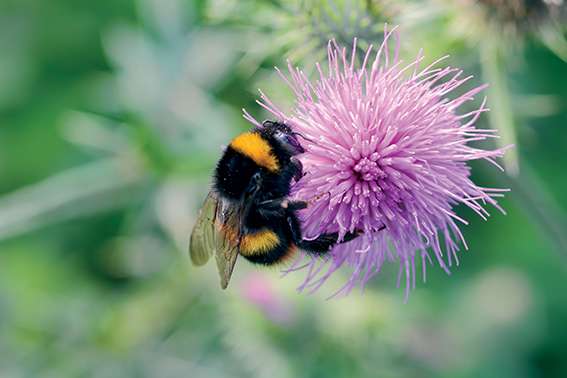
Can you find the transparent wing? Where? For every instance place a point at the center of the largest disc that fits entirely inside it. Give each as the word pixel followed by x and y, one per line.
pixel 217 232
pixel 202 244
pixel 227 242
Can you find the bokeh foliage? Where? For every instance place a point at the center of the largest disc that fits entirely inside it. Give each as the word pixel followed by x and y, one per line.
pixel 112 114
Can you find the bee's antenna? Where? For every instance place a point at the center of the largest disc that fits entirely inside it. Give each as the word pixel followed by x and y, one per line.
pixel 303 136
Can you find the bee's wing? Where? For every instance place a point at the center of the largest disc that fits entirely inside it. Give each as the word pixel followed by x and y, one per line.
pixel 228 220
pixel 217 232
pixel 203 237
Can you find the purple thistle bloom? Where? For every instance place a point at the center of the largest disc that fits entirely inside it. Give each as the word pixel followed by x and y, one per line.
pixel 387 153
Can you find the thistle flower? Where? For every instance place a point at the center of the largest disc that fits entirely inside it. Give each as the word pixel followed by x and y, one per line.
pixel 388 150
pixel 302 28
pixel 514 17
pixel 506 21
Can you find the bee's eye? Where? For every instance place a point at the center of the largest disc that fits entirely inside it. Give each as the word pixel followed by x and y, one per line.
pixel 280 137
pixel 290 142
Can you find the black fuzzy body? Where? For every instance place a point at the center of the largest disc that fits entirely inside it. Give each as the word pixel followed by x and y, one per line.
pixel 262 195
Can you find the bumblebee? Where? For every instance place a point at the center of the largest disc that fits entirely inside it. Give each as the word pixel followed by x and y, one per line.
pixel 247 212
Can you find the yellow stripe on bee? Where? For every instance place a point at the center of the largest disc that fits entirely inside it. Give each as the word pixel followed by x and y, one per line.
pixel 255 243
pixel 258 242
pixel 256 148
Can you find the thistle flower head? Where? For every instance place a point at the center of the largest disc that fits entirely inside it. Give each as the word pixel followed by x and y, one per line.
pixel 519 15
pixel 387 153
pixel 303 28
pixel 509 21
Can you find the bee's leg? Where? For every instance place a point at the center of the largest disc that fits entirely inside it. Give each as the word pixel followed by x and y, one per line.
pixel 294 205
pixel 249 197
pixel 253 187
pixel 272 208
pixel 325 242
pixel 318 246
pixel 297 169
pixel 291 205
pixel 279 207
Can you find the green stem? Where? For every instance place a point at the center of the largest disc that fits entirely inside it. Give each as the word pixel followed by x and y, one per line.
pixel 500 115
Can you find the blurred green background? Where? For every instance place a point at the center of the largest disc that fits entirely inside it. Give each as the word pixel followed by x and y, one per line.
pixel 112 114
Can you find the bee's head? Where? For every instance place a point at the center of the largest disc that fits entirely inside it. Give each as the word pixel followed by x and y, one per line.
pixel 283 135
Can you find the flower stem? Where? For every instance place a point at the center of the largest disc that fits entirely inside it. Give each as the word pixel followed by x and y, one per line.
pixel 500 116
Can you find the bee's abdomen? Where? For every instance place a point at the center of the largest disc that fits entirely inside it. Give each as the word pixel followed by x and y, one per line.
pixel 265 247
pixel 278 255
